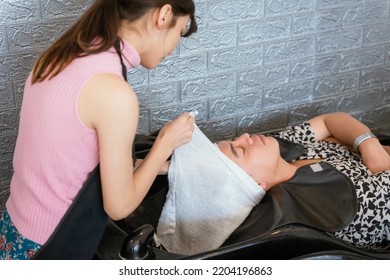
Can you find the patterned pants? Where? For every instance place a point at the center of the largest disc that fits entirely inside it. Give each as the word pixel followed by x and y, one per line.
pixel 13 246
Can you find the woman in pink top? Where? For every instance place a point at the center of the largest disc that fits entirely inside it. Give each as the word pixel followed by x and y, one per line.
pixel 79 111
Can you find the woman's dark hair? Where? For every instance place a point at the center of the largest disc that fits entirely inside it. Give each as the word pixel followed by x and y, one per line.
pixel 102 20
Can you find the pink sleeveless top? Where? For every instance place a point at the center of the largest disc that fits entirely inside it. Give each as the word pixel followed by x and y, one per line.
pixel 55 151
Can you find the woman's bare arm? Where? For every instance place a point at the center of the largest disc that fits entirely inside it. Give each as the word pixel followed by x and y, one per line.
pixel 111 108
pixel 345 129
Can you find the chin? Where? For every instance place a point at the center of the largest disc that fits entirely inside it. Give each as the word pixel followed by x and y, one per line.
pixel 150 65
pixel 147 66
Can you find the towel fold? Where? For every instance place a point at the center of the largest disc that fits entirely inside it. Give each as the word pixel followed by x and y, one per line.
pixel 209 196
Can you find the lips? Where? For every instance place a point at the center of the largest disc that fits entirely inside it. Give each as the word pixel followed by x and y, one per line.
pixel 263 139
pixel 260 138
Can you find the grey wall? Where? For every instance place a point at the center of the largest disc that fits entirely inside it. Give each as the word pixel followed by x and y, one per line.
pixel 254 65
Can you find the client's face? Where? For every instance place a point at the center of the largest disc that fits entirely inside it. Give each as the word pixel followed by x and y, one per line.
pixel 256 154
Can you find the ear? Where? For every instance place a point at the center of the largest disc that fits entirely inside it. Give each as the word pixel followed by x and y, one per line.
pixel 263 185
pixel 164 16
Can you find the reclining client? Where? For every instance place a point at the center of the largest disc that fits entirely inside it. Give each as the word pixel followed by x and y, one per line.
pixel 344 143
pixel 337 180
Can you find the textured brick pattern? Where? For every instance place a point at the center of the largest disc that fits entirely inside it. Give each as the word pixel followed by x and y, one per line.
pixel 254 65
pixel 26 28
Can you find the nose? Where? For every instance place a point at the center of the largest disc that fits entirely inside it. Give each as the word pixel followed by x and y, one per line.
pixel 244 138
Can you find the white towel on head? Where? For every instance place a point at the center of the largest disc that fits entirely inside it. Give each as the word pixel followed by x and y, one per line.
pixel 209 196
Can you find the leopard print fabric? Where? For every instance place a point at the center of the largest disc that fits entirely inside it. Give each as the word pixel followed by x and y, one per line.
pixel 370 229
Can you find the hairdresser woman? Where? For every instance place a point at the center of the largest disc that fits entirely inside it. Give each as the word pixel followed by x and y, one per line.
pixel 78 111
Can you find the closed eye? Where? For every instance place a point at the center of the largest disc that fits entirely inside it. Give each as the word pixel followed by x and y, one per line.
pixel 233 149
pixel 236 152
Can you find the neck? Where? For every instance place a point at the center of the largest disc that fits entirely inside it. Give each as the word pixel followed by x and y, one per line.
pixel 137 33
pixel 132 36
pixel 284 172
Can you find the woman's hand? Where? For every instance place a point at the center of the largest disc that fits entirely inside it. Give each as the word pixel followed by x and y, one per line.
pixel 164 168
pixel 176 132
pixel 375 156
